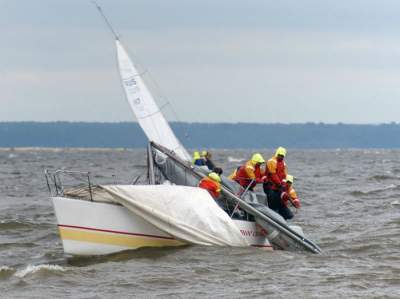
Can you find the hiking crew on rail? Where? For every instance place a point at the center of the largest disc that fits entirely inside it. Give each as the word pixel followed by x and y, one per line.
pixel 250 174
pixel 277 184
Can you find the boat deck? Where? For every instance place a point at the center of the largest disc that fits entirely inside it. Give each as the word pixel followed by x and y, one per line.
pixel 95 193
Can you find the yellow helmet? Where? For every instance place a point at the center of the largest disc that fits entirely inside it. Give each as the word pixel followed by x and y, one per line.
pixel 214 177
pixel 196 155
pixel 289 179
pixel 204 153
pixel 280 151
pixel 257 158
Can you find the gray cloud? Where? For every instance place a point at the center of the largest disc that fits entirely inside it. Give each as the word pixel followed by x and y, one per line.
pixel 248 61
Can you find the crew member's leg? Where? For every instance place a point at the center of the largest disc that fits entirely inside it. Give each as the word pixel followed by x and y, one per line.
pixel 274 199
pixel 285 212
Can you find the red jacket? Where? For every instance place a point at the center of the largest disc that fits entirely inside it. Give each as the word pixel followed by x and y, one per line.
pixel 248 172
pixel 276 172
pixel 211 186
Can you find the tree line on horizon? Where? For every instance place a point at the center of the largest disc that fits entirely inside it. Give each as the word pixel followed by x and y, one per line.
pixel 200 135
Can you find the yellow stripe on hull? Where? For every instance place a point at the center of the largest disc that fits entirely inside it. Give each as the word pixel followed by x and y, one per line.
pixel 129 241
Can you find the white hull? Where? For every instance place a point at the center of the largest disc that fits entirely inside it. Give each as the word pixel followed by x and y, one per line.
pixel 96 228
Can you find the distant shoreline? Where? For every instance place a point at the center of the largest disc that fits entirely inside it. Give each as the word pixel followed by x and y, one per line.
pixel 128 135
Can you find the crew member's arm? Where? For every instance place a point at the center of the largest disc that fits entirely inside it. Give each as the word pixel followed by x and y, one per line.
pixel 294 199
pixel 250 171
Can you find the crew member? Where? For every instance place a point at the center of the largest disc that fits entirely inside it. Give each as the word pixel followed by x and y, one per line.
pixel 218 170
pixel 197 159
pixel 206 155
pixel 288 194
pixel 276 172
pixel 212 183
pixel 250 174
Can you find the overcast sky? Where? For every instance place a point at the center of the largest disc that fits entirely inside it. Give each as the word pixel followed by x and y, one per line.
pixel 214 60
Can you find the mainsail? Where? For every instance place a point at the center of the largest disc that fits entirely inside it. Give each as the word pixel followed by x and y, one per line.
pixel 144 107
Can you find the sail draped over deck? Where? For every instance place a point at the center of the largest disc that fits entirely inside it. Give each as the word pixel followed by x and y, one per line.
pixel 187 213
pixel 147 113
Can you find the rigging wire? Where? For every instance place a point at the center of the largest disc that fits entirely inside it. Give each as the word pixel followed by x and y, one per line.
pixel 161 95
pixel 167 103
pixel 110 27
pixel 157 92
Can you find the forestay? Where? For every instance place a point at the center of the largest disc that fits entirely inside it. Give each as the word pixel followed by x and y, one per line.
pixel 189 214
pixel 145 108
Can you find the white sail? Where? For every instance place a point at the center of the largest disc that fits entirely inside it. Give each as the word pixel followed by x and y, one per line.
pixel 145 108
pixel 189 214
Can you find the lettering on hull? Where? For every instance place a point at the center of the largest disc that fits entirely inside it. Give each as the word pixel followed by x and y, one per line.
pixel 251 233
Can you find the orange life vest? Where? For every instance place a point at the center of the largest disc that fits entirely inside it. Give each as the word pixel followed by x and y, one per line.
pixel 246 173
pixel 289 194
pixel 211 186
pixel 276 172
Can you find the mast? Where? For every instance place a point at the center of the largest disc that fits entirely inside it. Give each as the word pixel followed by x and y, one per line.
pixel 106 20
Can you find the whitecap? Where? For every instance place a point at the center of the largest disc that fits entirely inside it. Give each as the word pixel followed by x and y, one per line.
pixel 234 160
pixel 31 269
pixel 388 187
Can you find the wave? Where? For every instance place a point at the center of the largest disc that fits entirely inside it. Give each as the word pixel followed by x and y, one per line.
pixel 381 177
pixel 359 193
pixel 364 248
pixel 41 269
pixel 395 203
pixel 11 246
pixel 6 272
pixel 234 160
pixel 14 224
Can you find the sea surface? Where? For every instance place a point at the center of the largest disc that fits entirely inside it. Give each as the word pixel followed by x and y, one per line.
pixel 350 208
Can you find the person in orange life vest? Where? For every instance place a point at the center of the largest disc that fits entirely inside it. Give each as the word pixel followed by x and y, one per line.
pixel 250 174
pixel 290 194
pixel 279 201
pixel 212 183
pixel 276 171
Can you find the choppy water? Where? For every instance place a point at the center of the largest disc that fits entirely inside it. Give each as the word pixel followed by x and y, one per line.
pixel 351 208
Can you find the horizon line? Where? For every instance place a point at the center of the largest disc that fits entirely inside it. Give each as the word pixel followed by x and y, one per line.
pixel 208 123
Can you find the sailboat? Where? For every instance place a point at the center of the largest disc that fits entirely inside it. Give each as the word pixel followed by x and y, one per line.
pixel 170 210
